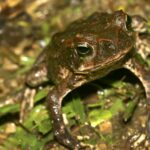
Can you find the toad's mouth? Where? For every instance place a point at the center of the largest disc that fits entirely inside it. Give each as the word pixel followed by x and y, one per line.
pixel 106 63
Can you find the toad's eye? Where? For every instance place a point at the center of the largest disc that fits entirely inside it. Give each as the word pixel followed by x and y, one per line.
pixel 84 49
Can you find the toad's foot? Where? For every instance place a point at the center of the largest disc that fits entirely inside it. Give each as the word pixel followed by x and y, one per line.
pixel 64 137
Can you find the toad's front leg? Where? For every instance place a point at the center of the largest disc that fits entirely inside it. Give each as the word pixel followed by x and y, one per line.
pixel 143 73
pixel 54 100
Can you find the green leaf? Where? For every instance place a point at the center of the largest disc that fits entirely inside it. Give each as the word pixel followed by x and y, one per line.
pixel 75 108
pixel 35 125
pixel 39 119
pixel 130 109
pixel 78 108
pixel 25 140
pixel 11 108
pixel 97 116
pixel 27 60
pixel 41 94
pixel 117 106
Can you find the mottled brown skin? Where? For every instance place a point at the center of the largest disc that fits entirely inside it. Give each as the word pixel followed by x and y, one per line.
pixel 87 50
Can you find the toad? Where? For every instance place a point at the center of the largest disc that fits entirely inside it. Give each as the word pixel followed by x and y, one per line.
pixel 87 50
